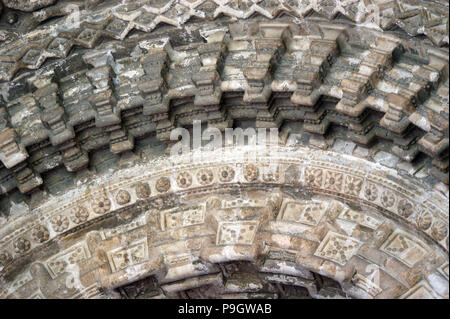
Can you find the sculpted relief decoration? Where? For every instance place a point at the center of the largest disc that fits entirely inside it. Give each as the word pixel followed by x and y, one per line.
pixel 341 192
pixel 286 230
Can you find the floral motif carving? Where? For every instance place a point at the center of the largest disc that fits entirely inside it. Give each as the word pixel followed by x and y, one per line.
pixel 251 172
pixel 405 208
pixel 21 245
pixel 353 185
pixel 162 184
pixel 205 176
pixel 439 230
pixel 143 190
pixel 60 223
pixel 424 220
pixel 184 180
pixel 333 181
pixel 313 177
pixel 79 214
pixel 40 234
pixel 387 198
pixel 226 174
pixel 338 248
pixel 101 205
pixel 123 197
pixel 371 192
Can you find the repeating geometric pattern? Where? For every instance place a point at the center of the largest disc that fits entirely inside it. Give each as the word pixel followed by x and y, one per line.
pixel 408 15
pixel 378 92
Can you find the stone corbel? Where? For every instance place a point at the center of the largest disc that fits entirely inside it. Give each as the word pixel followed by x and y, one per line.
pixel 105 103
pixel 154 92
pixel 395 119
pixel 27 178
pixel 314 68
pixel 61 134
pixel 308 83
pixel 11 151
pixel 52 115
pixel 258 76
pixel 13 155
pixel 259 73
pixel 358 86
pixel 434 143
pixel 154 88
pixel 207 80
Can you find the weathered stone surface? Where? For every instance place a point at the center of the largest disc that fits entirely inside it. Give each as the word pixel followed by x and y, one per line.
pixel 28 5
pixel 351 201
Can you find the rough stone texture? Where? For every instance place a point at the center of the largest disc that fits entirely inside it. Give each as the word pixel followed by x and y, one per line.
pixel 353 204
pixel 28 5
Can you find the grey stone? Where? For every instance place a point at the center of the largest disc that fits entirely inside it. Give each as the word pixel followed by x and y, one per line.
pixel 28 5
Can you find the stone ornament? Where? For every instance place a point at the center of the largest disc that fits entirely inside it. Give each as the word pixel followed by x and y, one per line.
pixel 251 172
pixel 123 197
pixel 353 185
pixel 313 177
pixel 143 190
pixel 387 198
pixel 184 180
pixel 21 245
pixel 60 223
pixel 205 176
pixel 371 192
pixel 354 190
pixel 40 234
pixel 424 220
pixel 28 5
pixel 5 258
pixel 101 205
pixel 162 185
pixel 439 230
pixel 337 248
pixel 405 208
pixel 226 174
pixel 333 180
pixel 79 214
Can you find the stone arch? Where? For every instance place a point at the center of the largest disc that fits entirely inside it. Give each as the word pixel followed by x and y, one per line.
pixel 148 221
pixel 352 201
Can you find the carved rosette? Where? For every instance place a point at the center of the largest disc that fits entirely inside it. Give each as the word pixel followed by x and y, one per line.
pixel 79 214
pixel 205 177
pixel 123 197
pixel 101 205
pixel 60 223
pixel 387 199
pixel 313 177
pixel 371 192
pixel 162 185
pixel 226 174
pixel 40 234
pixel 22 245
pixel 439 230
pixel 143 190
pixel 184 180
pixel 424 220
pixel 251 172
pixel 405 208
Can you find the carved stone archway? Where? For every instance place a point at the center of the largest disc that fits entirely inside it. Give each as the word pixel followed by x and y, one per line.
pixel 352 202
pixel 288 214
